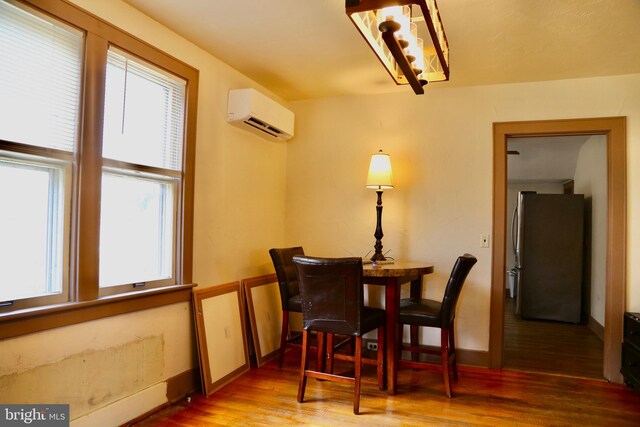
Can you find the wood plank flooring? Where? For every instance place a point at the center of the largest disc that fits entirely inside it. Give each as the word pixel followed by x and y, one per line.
pixel 553 347
pixel 267 397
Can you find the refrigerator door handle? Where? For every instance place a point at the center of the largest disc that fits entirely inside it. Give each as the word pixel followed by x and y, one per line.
pixel 513 229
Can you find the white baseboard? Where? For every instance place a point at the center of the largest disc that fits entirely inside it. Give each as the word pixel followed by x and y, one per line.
pixel 127 409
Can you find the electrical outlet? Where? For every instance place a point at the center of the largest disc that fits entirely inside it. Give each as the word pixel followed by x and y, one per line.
pixel 372 346
pixel 484 240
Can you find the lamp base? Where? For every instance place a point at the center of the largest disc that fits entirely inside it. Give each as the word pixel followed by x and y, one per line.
pixel 378 257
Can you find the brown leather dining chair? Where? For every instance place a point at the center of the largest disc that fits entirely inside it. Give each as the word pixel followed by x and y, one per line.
pixel 289 293
pixel 333 303
pixel 418 312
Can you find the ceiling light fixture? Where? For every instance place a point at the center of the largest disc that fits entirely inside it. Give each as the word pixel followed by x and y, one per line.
pixel 407 36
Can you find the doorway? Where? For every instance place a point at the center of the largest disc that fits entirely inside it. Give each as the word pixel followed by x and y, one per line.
pixel 614 129
pixel 561 331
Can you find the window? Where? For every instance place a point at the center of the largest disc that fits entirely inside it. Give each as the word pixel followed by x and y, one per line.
pixel 144 113
pixel 32 229
pixel 40 76
pixel 136 230
pixel 96 175
pixel 143 126
pixel 39 104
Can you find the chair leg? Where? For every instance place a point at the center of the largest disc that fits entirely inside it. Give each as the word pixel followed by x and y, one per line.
pixel 358 370
pixel 444 353
pixel 380 359
pixel 350 347
pixel 330 351
pixel 321 351
pixel 413 330
pixel 283 337
pixel 302 384
pixel 452 353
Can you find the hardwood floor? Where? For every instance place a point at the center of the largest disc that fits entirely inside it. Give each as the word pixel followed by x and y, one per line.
pixel 267 396
pixel 553 347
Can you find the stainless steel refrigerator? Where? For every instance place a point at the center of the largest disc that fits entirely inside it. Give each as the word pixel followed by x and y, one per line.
pixel 548 231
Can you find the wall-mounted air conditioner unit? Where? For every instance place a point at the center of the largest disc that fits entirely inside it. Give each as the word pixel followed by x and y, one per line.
pixel 253 111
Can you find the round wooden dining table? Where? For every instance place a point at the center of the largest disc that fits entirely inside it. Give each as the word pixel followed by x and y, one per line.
pixel 392 277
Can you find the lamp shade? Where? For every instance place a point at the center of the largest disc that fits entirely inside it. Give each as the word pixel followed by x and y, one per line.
pixel 380 172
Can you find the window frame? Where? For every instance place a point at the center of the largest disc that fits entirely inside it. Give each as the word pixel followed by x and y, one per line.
pixel 170 180
pixel 85 302
pixel 36 157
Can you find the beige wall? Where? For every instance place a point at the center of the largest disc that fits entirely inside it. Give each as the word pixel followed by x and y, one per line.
pixel 591 180
pixel 115 369
pixel 441 149
pixel 95 364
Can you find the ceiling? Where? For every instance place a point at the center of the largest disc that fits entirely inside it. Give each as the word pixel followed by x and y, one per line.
pixel 302 49
pixel 544 159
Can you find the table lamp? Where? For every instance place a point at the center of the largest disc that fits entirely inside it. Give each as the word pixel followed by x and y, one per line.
pixel 379 178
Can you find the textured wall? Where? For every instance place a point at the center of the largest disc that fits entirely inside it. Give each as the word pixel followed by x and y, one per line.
pixel 441 149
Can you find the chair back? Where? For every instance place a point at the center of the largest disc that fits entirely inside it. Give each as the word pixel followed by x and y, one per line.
pixel 332 294
pixel 286 272
pixel 458 275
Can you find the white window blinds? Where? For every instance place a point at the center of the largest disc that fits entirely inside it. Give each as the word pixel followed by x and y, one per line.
pixel 40 76
pixel 144 113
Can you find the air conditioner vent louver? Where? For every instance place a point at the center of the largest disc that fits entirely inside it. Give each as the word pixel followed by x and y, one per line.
pixel 264 127
pixel 253 111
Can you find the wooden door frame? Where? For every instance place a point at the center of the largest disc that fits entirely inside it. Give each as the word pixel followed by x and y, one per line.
pixel 614 128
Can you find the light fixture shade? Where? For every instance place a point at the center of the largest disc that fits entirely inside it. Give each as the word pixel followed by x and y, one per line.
pixel 380 172
pixel 388 41
pixel 401 15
